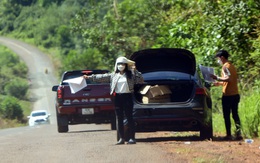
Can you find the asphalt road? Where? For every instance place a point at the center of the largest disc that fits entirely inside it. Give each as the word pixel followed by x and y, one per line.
pixel 83 143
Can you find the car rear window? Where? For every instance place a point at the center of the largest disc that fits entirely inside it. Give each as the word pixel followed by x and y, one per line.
pixel 38 114
pixel 75 74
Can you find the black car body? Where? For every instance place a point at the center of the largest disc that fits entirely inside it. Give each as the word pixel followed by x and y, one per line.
pixel 187 105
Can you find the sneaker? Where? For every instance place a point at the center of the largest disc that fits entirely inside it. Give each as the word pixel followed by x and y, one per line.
pixel 120 141
pixel 131 141
pixel 239 137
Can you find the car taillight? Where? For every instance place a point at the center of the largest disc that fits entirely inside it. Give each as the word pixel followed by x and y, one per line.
pixel 60 92
pixel 200 91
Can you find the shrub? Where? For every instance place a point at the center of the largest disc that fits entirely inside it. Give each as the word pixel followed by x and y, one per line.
pixel 17 87
pixel 11 109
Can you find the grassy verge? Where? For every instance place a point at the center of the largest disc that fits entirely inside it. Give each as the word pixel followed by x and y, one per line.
pixel 9 123
pixel 250 113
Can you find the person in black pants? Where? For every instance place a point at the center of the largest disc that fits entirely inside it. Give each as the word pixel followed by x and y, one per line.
pixel 230 104
pixel 124 108
pixel 230 94
pixel 122 82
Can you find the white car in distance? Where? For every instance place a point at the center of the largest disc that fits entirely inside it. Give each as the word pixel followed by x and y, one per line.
pixel 39 117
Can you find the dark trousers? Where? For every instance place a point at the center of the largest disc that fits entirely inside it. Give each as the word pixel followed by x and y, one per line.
pixel 230 104
pixel 124 108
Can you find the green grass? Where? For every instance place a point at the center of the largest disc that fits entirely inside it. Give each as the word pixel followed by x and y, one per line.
pixel 218 124
pixel 8 123
pixel 250 113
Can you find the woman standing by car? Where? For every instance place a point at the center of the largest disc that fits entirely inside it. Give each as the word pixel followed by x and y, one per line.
pixel 122 82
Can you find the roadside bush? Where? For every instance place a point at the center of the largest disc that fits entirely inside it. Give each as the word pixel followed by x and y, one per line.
pixel 11 109
pixel 20 70
pixel 17 87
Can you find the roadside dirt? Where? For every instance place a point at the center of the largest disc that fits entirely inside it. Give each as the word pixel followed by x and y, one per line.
pixel 191 149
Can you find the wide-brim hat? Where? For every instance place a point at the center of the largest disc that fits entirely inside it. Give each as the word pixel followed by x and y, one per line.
pixel 129 62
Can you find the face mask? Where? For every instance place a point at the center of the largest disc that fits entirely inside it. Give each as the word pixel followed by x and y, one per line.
pixel 121 67
pixel 220 62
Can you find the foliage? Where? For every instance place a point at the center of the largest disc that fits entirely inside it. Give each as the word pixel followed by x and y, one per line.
pixel 10 108
pixel 250 113
pixel 202 29
pixel 90 59
pixel 64 39
pixel 14 86
pixel 12 70
pixel 200 26
pixel 9 12
pixel 17 88
pixel 122 29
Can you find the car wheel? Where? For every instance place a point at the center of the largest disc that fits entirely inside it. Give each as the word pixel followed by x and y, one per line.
pixel 206 132
pixel 62 129
pixel 62 122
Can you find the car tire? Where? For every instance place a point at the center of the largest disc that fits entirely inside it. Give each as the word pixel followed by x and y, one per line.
pixel 62 129
pixel 62 122
pixel 206 132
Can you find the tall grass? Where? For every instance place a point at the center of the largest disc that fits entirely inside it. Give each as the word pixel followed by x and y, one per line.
pixel 250 112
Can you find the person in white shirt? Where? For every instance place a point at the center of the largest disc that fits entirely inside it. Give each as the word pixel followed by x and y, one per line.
pixel 122 82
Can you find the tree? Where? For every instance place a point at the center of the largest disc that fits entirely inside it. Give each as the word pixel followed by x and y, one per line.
pixel 65 39
pixel 210 26
pixel 118 28
pixel 8 13
pixel 89 59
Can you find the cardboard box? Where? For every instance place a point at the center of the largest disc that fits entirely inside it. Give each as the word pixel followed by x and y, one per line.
pixel 157 99
pixel 153 91
pixel 155 94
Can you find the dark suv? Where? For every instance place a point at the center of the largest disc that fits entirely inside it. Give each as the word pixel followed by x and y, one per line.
pixel 173 97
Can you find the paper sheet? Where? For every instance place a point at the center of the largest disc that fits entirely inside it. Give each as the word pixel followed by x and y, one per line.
pixel 76 84
pixel 206 72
